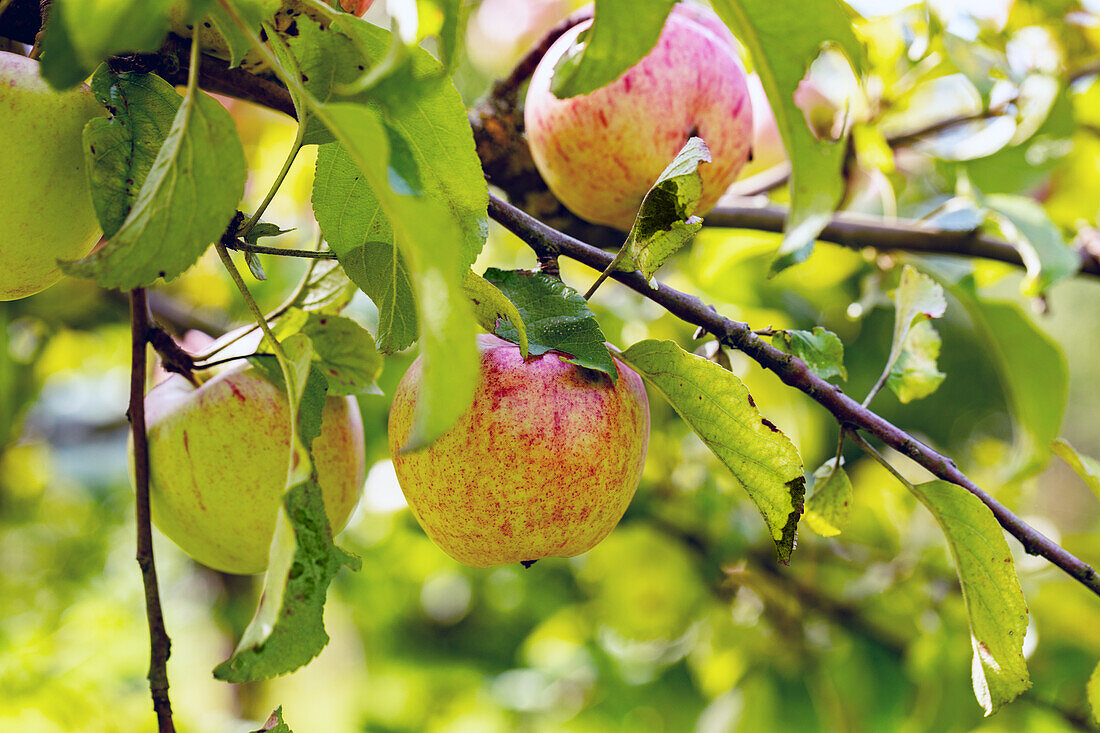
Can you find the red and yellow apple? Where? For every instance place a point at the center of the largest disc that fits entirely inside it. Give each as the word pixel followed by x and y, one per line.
pixel 600 153
pixel 218 458
pixel 46 211
pixel 543 464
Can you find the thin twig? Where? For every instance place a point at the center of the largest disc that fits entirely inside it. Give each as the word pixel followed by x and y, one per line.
pixel 307 254
pixel 160 646
pixel 858 232
pixel 795 373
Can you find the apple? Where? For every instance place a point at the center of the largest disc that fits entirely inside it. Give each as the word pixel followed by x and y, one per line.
pixel 601 152
pixel 544 463
pixel 46 204
pixel 218 464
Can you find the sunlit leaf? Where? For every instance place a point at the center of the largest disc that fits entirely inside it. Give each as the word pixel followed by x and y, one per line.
pixel 665 221
pixel 994 600
pixel 784 38
pixel 288 629
pixel 827 508
pixel 419 103
pixel 188 199
pixel 346 354
pixel 325 288
pixel 821 349
pixel 427 234
pixel 491 305
pixel 915 375
pixel 360 234
pixel 718 407
pixel 917 298
pixel 1085 467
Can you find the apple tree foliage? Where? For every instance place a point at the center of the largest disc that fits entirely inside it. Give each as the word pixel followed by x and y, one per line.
pixel 970 128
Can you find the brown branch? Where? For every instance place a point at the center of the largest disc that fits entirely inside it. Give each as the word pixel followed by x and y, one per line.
pixel 793 372
pixel 160 646
pixel 856 231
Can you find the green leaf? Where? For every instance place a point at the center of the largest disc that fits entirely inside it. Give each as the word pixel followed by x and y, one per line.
pixel 275 723
pixel 827 508
pixel 1026 224
pixel 325 288
pixel 82 33
pixel 718 407
pixel 821 349
pixel 358 231
pixel 622 32
pixel 557 318
pixel 428 228
pixel 917 298
pixel 784 38
pixel 491 305
pixel 345 354
pixel 428 234
pixel 665 222
pixel 188 199
pixel 264 229
pixel 419 103
pixel 1032 368
pixel 288 629
pixel 456 13
pixel 1085 467
pixel 255 266
pixel 990 588
pixel 914 375
pixel 1093 692
pixel 236 40
pixel 120 149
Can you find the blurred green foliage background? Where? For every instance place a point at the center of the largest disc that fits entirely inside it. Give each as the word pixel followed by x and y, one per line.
pixel 680 620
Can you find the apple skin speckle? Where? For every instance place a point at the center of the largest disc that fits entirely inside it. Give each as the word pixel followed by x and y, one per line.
pixel 543 464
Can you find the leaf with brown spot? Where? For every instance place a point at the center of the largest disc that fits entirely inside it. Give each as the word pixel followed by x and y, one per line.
pixel 717 406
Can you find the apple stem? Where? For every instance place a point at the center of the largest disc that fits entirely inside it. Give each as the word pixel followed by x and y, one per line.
pixel 160 645
pixel 603 276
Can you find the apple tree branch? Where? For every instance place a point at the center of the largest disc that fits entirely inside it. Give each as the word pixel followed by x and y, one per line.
pixel 794 372
pixel 160 646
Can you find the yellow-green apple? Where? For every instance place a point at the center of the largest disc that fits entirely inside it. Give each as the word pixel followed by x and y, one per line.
pixel 601 152
pixel 544 463
pixel 46 211
pixel 218 458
